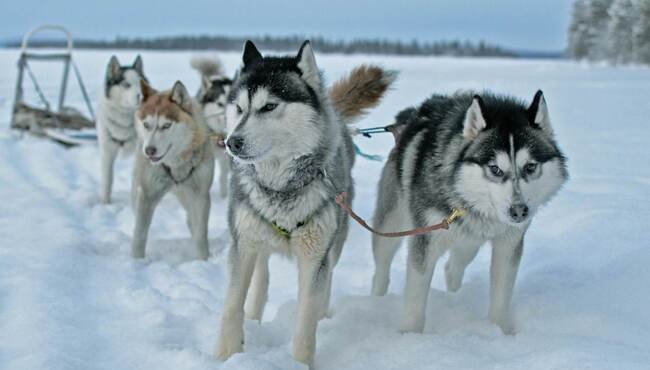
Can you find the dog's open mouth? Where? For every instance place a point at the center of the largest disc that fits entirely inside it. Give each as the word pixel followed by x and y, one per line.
pixel 155 159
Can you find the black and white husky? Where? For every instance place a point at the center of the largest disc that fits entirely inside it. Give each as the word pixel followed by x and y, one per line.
pixel 212 96
pixel 116 117
pixel 490 156
pixel 292 155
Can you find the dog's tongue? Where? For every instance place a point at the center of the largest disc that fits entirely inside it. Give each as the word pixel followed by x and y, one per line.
pixel 219 139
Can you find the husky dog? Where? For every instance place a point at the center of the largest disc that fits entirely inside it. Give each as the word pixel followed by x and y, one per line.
pixel 212 96
pixel 487 155
pixel 292 155
pixel 173 154
pixel 115 118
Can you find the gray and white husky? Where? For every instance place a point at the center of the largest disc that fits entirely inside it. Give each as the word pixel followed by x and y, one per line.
pixel 116 114
pixel 490 156
pixel 173 155
pixel 212 96
pixel 292 155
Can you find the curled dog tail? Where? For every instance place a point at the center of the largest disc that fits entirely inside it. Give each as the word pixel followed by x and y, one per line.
pixel 361 90
pixel 207 66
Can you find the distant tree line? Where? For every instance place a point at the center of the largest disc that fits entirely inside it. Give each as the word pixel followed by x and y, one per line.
pixel 291 43
pixel 613 30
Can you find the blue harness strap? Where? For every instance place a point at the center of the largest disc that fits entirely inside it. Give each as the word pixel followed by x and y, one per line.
pixel 370 157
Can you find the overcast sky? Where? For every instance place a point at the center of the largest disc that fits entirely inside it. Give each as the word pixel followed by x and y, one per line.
pixel 520 24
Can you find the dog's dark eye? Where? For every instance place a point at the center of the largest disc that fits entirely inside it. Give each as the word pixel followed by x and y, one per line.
pixel 125 84
pixel 220 105
pixel 269 107
pixel 496 171
pixel 146 125
pixel 530 168
pixel 239 110
pixel 166 125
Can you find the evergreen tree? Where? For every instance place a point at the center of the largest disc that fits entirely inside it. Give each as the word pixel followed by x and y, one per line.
pixel 579 30
pixel 620 31
pixel 642 32
pixel 597 29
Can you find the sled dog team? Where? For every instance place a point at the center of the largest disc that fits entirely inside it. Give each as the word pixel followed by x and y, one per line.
pixel 283 137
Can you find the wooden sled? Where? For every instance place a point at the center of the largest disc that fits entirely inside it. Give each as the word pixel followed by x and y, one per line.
pixel 64 125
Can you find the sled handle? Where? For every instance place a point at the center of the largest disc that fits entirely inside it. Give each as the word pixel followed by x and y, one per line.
pixel 30 34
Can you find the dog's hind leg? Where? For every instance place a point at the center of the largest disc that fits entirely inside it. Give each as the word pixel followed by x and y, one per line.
pixel 384 249
pixel 231 335
pixel 390 215
pixel 459 258
pixel 199 213
pixel 422 260
pixel 224 169
pixel 506 255
pixel 108 151
pixel 258 294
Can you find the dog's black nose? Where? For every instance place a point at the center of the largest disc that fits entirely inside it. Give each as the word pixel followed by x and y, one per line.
pixel 150 151
pixel 235 144
pixel 518 212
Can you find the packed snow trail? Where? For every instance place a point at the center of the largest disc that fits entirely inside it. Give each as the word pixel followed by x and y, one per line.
pixel 72 298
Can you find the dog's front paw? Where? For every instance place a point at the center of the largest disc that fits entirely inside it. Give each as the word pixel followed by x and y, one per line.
pixel 228 347
pixel 204 254
pixel 137 253
pixel 303 350
pixel 379 285
pixel 411 325
pixel 506 325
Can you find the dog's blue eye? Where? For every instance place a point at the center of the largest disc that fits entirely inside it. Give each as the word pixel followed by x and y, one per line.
pixel 146 125
pixel 167 125
pixel 496 171
pixel 530 168
pixel 239 110
pixel 269 107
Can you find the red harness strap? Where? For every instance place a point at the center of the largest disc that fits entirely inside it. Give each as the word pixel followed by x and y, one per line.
pixel 444 224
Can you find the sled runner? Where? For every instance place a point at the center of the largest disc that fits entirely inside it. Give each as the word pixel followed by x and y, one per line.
pixel 62 124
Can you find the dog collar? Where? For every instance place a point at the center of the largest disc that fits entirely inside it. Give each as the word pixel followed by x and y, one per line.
pixel 284 232
pixel 168 169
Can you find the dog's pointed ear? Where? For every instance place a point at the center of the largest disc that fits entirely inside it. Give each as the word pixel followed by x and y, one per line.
pixel 538 113
pixel 251 55
pixel 138 65
pixel 307 65
pixel 474 120
pixel 180 96
pixel 113 70
pixel 146 90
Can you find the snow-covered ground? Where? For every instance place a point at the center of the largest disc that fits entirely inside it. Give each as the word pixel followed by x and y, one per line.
pixel 72 298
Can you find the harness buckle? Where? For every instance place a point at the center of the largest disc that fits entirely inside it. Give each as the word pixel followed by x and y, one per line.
pixel 454 215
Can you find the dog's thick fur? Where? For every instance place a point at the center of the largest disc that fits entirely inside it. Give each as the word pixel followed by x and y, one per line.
pixel 115 117
pixel 212 96
pixel 489 155
pixel 292 155
pixel 173 154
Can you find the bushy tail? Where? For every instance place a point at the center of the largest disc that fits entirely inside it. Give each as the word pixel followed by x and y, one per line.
pixel 207 66
pixel 362 89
